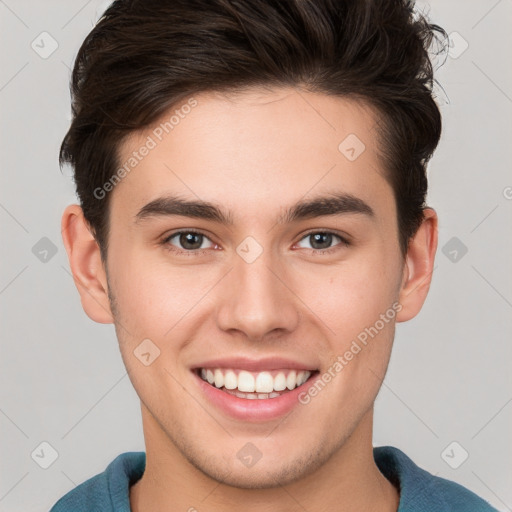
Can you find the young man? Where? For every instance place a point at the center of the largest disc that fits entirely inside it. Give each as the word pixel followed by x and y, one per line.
pixel 252 219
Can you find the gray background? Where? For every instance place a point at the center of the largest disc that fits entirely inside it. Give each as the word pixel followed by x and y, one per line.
pixel 62 380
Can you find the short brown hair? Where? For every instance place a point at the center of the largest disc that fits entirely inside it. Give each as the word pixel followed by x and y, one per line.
pixel 144 56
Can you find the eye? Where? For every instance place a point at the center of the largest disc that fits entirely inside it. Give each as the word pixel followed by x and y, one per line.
pixel 188 241
pixel 322 241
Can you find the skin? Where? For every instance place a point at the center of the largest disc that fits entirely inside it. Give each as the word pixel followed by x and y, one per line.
pixel 254 154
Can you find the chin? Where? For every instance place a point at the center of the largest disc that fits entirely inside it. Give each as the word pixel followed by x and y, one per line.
pixel 250 478
pixel 263 474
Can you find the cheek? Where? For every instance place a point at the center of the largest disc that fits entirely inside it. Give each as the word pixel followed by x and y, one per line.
pixel 352 295
pixel 363 304
pixel 359 308
pixel 152 297
pixel 153 302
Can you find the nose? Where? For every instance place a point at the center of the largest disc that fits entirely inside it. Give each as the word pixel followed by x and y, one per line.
pixel 257 299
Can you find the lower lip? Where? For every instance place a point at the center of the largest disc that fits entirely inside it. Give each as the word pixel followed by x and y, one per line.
pixel 259 409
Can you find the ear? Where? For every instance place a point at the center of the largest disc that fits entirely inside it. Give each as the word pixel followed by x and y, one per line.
pixel 418 267
pixel 86 265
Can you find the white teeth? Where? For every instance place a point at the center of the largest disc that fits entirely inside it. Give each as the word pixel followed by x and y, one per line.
pixel 280 382
pixel 245 382
pixel 301 378
pixel 219 378
pixel 262 385
pixel 230 380
pixel 291 380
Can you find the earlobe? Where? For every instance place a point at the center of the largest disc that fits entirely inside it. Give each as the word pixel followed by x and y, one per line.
pixel 418 268
pixel 86 265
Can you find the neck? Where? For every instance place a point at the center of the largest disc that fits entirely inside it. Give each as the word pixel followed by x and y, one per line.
pixel 349 481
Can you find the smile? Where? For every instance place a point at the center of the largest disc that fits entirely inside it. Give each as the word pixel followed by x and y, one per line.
pixel 253 390
pixel 254 385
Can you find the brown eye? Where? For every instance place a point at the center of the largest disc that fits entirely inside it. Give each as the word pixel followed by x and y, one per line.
pixel 186 241
pixel 190 241
pixel 324 240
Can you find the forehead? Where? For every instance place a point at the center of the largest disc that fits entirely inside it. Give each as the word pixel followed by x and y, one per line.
pixel 252 148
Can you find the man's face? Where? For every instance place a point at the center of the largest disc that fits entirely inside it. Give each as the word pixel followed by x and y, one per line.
pixel 260 299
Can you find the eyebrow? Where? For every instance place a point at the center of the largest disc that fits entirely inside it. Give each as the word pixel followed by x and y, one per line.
pixel 332 204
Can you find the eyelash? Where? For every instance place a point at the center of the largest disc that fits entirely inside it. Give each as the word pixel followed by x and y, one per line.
pixel 196 252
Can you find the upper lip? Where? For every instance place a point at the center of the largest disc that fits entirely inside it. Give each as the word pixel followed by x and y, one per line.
pixel 255 365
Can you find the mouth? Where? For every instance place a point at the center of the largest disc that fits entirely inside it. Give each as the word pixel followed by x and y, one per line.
pixel 255 392
pixel 254 385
